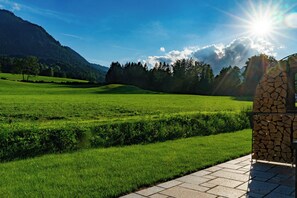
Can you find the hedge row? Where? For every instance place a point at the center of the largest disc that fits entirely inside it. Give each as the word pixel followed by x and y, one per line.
pixel 22 143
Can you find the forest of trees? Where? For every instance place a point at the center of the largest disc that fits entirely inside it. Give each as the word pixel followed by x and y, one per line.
pixel 184 76
pixel 31 65
pixel 192 77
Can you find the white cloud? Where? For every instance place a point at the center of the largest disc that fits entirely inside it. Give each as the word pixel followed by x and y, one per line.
pixel 162 49
pixel 218 56
pixel 16 7
pixel 291 20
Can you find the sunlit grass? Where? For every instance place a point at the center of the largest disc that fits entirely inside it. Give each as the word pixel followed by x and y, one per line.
pixel 115 171
pixel 18 77
pixel 48 104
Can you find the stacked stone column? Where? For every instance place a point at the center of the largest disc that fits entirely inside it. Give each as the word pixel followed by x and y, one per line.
pixel 273 125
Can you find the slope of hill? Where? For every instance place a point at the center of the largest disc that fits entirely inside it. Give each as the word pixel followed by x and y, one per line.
pixel 22 38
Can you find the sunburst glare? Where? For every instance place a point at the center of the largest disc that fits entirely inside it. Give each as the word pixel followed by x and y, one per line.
pixel 261 27
pixel 262 20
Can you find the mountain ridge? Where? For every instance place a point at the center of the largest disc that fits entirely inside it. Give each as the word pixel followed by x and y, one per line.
pixel 20 38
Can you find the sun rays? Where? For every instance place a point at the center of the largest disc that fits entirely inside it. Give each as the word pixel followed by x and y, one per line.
pixel 261 20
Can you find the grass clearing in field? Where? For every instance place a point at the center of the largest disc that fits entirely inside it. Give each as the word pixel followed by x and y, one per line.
pixel 47 103
pixel 115 171
pixel 19 77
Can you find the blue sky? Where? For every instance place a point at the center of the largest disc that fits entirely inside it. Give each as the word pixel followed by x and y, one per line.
pixel 155 30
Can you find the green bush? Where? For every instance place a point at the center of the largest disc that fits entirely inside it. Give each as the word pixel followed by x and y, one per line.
pixel 22 143
pixel 167 129
pixel 32 142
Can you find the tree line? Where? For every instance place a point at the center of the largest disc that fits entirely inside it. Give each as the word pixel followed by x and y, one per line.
pixel 189 76
pixel 31 66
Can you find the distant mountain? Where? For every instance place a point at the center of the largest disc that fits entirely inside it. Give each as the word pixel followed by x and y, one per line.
pixel 21 38
pixel 100 67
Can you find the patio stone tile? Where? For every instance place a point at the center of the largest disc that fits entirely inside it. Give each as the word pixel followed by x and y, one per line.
pixel 278 195
pixel 150 191
pixel 169 184
pixel 201 173
pixel 267 175
pixel 286 176
pixel 194 187
pixel 235 161
pixel 259 166
pixel 208 185
pixel 243 186
pixel 247 166
pixel 227 192
pixel 132 195
pixel 253 195
pixel 245 170
pixel 192 179
pixel 225 182
pixel 229 175
pixel 158 196
pixel 230 166
pixel 179 192
pixel 282 181
pixel 244 158
pixel 260 179
pixel 234 171
pixel 209 177
pixel 213 169
pixel 284 190
pixel 244 163
pixel 261 187
pixel 283 170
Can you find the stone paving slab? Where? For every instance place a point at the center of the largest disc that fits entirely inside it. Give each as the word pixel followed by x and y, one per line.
pixel 169 184
pixel 226 192
pixel 150 191
pixel 195 187
pixel 226 182
pixel 180 192
pixel 240 177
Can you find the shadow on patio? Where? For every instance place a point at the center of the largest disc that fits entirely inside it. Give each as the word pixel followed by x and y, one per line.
pixel 271 180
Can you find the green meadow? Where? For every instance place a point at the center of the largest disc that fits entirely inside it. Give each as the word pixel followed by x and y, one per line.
pixel 45 103
pixel 54 136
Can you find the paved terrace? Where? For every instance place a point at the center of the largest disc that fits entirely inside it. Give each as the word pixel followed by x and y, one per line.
pixel 236 178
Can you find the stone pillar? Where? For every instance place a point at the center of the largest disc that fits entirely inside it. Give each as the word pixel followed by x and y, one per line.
pixel 272 120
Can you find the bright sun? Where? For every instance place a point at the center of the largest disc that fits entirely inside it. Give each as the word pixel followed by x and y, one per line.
pixel 261 20
pixel 261 27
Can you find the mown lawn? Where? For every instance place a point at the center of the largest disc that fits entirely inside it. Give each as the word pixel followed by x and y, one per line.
pixel 115 171
pixel 46 103
pixel 19 77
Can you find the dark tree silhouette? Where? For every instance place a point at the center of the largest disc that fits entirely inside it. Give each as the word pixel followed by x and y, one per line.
pixel 255 68
pixel 115 74
pixel 190 76
pixel 227 82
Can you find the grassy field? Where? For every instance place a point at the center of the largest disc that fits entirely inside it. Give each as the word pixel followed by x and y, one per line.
pixel 115 171
pixel 40 118
pixel 48 104
pixel 19 77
